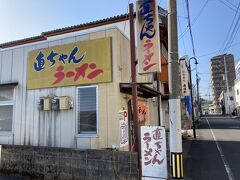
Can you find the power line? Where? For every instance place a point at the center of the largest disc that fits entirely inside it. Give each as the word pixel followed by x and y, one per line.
pixel 232 35
pixel 233 6
pixel 217 51
pixel 235 33
pixel 184 8
pixel 190 28
pixel 194 20
pixel 227 39
pixel 179 24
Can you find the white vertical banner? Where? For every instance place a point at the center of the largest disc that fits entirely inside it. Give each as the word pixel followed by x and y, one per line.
pixel 123 125
pixel 153 152
pixel 148 37
pixel 184 78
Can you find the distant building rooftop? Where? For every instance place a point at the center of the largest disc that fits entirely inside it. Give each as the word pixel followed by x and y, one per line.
pixel 45 35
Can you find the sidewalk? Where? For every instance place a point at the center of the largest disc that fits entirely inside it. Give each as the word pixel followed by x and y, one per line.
pixel 187 144
pixel 201 157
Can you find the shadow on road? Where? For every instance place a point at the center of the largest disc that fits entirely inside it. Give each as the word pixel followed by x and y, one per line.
pixel 207 159
pixel 203 161
pixel 10 178
pixel 220 122
pixel 221 125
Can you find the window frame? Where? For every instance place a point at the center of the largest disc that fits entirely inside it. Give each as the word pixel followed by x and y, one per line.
pixel 9 103
pixel 95 134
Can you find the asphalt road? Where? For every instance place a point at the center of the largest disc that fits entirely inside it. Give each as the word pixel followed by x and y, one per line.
pixel 215 154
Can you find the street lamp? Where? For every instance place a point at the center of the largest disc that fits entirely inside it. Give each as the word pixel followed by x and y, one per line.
pixel 191 92
pixel 188 65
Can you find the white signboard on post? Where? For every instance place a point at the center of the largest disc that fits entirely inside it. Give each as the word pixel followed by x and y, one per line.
pixel 148 37
pixel 184 78
pixel 123 124
pixel 153 152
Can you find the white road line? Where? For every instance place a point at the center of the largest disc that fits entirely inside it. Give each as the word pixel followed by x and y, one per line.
pixel 226 165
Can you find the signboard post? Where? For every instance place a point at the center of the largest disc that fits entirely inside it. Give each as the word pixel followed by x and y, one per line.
pixel 184 78
pixel 153 152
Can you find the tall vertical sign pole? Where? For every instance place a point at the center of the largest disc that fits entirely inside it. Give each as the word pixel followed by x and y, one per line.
pixel 226 80
pixel 134 87
pixel 198 99
pixel 191 94
pixel 174 94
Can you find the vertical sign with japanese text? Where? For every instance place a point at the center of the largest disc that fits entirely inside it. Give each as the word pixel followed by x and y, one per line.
pixel 184 78
pixel 84 62
pixel 142 110
pixel 123 123
pixel 153 152
pixel 148 37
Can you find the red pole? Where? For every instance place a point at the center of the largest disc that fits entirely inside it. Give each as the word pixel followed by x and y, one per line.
pixel 134 87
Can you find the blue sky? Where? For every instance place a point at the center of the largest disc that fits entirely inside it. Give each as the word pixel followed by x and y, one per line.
pixel 211 20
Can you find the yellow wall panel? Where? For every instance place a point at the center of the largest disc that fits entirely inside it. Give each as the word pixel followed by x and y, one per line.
pixel 84 62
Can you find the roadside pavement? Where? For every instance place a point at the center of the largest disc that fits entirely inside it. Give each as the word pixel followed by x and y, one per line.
pixel 214 154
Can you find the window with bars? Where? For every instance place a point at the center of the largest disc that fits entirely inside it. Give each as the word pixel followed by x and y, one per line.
pixel 87 110
pixel 6 109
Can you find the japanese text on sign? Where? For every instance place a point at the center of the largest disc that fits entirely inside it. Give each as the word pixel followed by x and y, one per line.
pixel 39 63
pixel 83 62
pixel 123 122
pixel 142 110
pixel 153 145
pixel 184 78
pixel 148 36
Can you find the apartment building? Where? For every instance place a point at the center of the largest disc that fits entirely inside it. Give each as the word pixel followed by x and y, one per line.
pixel 218 79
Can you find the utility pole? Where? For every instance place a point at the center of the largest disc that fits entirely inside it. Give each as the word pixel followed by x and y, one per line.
pixel 208 102
pixel 198 99
pixel 174 94
pixel 226 80
pixel 191 94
